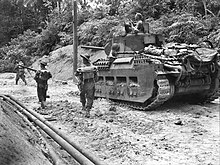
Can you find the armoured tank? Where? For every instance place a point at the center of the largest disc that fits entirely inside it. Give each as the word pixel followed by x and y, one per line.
pixel 143 72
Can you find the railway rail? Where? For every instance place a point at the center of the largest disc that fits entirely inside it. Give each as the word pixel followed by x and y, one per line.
pixel 81 155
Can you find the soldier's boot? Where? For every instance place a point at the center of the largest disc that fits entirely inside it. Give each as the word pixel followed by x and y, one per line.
pixel 83 107
pixel 87 113
pixel 43 104
pixel 25 82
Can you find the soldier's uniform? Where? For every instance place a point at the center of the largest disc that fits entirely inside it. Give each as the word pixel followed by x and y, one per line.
pixel 87 75
pixel 41 77
pixel 20 73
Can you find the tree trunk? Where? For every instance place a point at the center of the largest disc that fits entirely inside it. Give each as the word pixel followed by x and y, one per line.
pixel 205 7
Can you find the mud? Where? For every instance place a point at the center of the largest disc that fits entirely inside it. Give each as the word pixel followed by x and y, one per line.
pixel 177 133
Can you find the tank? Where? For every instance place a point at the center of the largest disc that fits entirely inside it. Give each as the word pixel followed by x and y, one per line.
pixel 143 72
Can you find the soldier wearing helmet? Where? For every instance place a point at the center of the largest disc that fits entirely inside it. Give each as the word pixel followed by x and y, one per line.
pixel 86 75
pixel 41 77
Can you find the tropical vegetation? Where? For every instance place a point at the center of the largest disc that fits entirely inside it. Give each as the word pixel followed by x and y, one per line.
pixel 33 28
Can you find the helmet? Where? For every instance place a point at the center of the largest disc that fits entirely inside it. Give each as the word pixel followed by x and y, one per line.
pixel 116 47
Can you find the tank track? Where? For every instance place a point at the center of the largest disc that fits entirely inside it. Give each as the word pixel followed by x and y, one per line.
pixel 214 96
pixel 164 91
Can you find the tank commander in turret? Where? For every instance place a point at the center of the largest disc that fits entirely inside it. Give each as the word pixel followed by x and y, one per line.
pixel 135 27
pixel 86 75
pixel 139 27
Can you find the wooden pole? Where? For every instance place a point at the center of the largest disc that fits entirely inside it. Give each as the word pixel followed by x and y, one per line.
pixel 75 44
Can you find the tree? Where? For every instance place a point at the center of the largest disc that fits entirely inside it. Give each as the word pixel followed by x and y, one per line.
pixel 15 18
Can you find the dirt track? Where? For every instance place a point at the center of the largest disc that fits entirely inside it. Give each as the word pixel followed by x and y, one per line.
pixel 176 133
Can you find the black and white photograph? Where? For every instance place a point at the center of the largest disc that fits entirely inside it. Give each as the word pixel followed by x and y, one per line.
pixel 109 82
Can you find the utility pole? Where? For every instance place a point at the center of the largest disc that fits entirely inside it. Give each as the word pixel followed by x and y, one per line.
pixel 75 44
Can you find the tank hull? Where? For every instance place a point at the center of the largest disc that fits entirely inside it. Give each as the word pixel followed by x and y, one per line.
pixel 146 84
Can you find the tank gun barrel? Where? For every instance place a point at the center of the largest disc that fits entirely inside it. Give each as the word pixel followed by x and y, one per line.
pixel 92 47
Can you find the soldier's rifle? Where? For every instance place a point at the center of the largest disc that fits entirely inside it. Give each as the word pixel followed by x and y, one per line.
pixel 30 73
pixel 28 68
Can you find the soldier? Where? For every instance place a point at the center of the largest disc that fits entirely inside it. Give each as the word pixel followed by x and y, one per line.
pixel 113 53
pixel 139 25
pixel 20 73
pixel 87 75
pixel 41 77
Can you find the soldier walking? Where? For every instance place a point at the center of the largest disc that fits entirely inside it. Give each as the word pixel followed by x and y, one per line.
pixel 20 73
pixel 41 77
pixel 86 75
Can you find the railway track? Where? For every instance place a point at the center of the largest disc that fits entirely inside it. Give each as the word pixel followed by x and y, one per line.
pixel 81 155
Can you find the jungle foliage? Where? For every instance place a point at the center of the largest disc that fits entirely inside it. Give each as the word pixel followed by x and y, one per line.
pixel 33 28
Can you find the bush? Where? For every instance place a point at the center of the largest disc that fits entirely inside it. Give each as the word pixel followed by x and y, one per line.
pixel 49 39
pixel 97 32
pixel 31 44
pixel 22 46
pixel 6 66
pixel 182 28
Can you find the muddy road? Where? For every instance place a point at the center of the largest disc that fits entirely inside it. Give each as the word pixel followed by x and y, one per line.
pixel 176 133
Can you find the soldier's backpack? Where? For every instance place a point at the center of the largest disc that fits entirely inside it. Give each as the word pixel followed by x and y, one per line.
pixel 44 75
